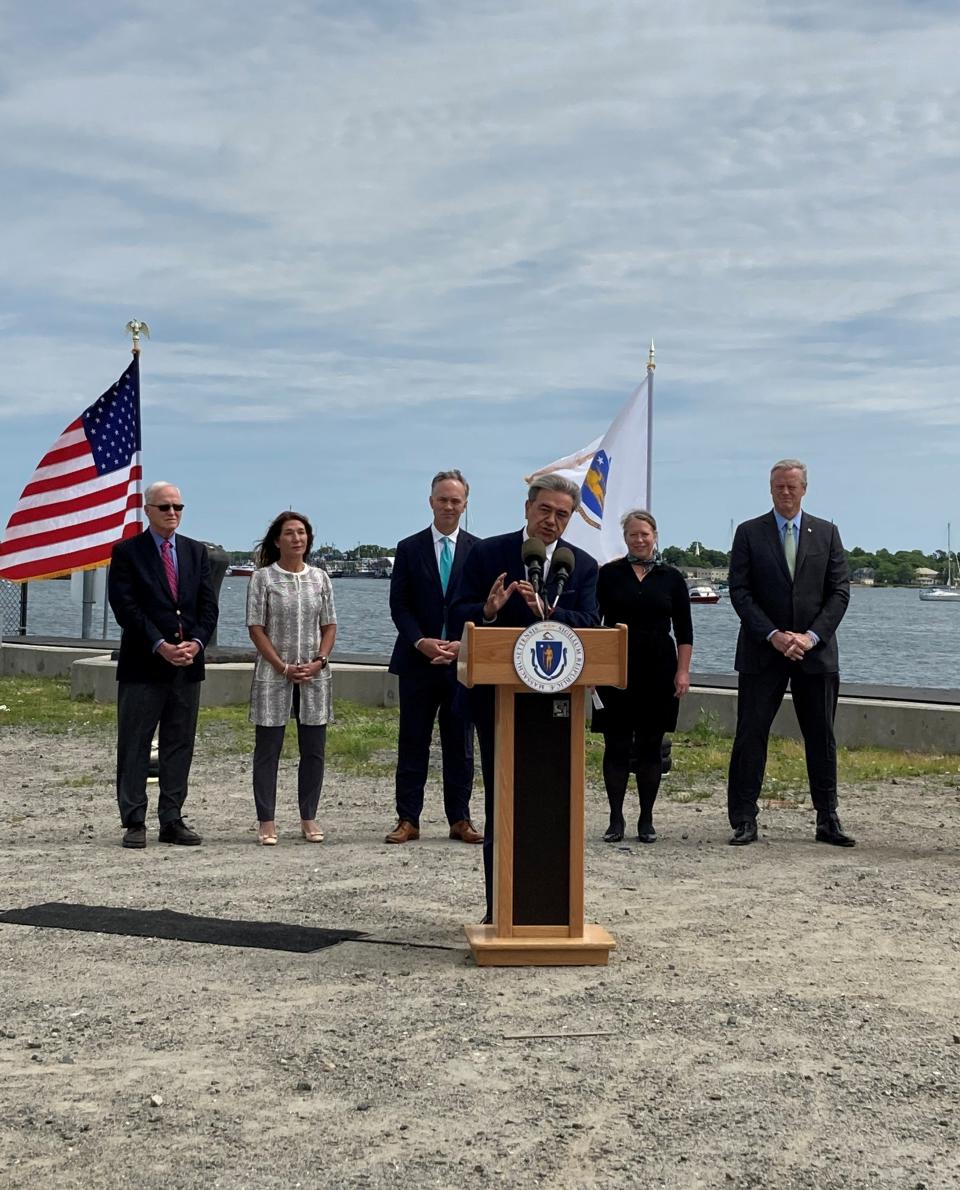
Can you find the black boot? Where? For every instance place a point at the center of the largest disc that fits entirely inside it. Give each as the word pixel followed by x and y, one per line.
pixel 617 824
pixel 614 832
pixel 645 829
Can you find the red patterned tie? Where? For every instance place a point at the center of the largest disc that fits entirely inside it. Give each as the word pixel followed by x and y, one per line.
pixel 166 552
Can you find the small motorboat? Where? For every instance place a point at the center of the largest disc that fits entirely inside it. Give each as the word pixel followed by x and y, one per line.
pixel 704 593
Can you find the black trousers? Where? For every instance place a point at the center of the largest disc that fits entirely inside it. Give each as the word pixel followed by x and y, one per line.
pixel 758 700
pixel 627 749
pixel 142 707
pixel 312 745
pixel 424 699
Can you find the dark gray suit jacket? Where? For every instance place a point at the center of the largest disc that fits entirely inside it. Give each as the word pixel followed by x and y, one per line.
pixel 765 598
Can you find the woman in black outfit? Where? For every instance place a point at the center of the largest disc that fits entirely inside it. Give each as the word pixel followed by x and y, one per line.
pixel 650 598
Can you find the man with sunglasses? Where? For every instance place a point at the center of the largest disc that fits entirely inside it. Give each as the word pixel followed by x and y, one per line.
pixel 162 596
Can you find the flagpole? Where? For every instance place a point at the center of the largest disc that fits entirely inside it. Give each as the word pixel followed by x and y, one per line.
pixel 651 368
pixel 134 328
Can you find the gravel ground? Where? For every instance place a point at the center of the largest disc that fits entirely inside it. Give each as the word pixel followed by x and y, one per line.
pixel 781 1015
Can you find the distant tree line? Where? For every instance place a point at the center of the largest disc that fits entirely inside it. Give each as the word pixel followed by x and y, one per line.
pixel 888 569
pixel 885 568
pixel 330 552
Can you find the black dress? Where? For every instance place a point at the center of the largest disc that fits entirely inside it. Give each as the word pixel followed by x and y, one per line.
pixel 649 609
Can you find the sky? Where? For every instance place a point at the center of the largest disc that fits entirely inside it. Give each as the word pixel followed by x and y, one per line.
pixel 379 239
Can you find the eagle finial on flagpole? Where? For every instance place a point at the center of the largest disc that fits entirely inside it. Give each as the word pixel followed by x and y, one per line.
pixel 136 328
pixel 652 358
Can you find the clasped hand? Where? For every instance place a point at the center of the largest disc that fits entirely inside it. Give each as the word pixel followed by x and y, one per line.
pixel 181 654
pixel 437 651
pixel 793 645
pixel 304 671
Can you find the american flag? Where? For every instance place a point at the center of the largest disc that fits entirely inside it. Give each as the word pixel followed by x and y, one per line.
pixel 84 495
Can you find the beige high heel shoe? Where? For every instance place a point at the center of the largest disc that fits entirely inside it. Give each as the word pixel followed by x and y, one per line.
pixel 312 833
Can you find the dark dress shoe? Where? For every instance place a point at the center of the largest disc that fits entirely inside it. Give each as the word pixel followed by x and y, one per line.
pixel 614 832
pixel 135 836
pixel 829 830
pixel 645 831
pixel 179 832
pixel 744 833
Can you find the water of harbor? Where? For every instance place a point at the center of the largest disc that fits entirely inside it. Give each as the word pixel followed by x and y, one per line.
pixel 888 636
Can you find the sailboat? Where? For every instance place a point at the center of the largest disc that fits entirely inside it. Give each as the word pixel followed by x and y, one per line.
pixel 950 592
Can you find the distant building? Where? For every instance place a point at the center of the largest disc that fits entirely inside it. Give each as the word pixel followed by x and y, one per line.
pixel 706 574
pixel 925 576
pixel 864 575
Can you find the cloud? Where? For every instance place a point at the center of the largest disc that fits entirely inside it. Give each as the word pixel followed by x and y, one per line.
pixel 395 211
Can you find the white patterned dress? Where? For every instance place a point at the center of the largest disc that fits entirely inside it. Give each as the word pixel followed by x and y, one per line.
pixel 291 608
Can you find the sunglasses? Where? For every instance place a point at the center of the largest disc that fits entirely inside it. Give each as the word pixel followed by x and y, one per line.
pixel 167 507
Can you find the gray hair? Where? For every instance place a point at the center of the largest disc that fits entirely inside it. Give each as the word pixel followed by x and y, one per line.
pixel 555 483
pixel 637 514
pixel 790 465
pixel 453 473
pixel 152 490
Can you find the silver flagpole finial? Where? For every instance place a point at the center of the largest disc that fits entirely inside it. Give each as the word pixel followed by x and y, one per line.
pixel 652 358
pixel 136 328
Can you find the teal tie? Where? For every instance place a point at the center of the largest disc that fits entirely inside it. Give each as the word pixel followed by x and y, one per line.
pixel 446 563
pixel 790 547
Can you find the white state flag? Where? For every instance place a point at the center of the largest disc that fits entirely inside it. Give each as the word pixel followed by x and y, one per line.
pixel 612 476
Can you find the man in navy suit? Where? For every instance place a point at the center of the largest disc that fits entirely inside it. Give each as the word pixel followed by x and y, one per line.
pixel 163 599
pixel 425 571
pixel 494 590
pixel 789 586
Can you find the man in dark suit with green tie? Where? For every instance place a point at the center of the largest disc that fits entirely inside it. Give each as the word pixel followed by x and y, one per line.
pixel 790 587
pixel 425 570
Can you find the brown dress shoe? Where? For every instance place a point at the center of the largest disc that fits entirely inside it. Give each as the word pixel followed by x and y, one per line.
pixel 465 831
pixel 403 832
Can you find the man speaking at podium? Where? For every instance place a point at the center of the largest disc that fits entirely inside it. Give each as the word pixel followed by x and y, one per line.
pixel 511 581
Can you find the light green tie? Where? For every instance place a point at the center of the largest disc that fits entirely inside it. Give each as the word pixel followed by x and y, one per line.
pixel 790 547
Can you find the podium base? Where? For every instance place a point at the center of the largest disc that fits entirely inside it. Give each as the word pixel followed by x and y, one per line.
pixel 491 950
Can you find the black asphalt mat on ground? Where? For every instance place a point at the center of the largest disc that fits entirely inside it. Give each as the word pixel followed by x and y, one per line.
pixel 179 927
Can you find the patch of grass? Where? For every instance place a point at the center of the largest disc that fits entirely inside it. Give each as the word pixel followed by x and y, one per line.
pixel 363 740
pixel 704 753
pixel 85 780
pixel 226 731
pixel 360 740
pixel 45 703
pixel 701 756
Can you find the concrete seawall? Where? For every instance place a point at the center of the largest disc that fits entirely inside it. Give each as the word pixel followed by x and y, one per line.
pixel 907 720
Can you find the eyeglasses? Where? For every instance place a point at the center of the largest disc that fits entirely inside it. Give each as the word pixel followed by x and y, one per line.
pixel 167 507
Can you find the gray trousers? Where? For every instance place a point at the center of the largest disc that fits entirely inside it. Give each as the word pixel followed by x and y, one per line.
pixel 142 707
pixel 312 741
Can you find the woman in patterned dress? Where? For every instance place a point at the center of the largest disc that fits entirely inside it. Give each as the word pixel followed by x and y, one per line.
pixel 292 621
pixel 651 598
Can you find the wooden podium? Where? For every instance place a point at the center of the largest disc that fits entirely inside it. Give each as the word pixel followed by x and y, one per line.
pixel 538 799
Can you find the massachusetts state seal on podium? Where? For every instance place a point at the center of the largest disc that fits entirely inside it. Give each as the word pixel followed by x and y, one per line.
pixel 548 656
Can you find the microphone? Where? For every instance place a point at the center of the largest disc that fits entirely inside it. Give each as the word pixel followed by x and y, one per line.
pixel 561 568
pixel 534 554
